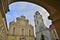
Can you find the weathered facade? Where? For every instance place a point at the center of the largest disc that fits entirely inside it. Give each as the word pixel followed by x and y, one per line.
pixel 3 28
pixel 42 32
pixel 21 30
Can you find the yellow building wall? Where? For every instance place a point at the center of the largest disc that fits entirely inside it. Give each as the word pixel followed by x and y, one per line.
pixel 20 24
pixel 3 29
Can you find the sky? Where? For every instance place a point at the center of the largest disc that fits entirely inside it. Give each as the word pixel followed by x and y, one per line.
pixel 27 9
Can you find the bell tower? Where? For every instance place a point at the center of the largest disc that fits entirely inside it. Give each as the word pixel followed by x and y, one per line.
pixel 42 32
pixel 38 21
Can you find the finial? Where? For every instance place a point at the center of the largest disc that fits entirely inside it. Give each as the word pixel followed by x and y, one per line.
pixel 23 17
pixel 37 13
pixel 18 18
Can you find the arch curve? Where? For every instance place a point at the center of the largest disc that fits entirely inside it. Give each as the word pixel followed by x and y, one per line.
pixel 50 5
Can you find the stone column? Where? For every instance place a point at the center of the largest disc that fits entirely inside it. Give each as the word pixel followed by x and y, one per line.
pixel 3 29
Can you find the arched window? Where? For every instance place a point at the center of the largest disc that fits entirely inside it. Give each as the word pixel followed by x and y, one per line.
pixel 42 37
pixel 29 32
pixel 13 31
pixel 37 22
pixel 22 32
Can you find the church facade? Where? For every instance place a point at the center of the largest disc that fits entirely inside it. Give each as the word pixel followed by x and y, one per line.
pixel 21 30
pixel 42 32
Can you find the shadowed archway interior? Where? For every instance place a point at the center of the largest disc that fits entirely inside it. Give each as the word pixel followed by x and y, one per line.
pixel 52 6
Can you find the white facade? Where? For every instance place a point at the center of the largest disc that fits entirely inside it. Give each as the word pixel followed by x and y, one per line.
pixel 42 32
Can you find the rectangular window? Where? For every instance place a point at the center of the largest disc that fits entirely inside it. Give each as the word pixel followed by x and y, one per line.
pixel 22 32
pixel 13 31
pixel 35 25
pixel 29 33
pixel 37 22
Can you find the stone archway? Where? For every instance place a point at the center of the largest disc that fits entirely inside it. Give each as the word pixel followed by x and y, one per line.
pixel 50 5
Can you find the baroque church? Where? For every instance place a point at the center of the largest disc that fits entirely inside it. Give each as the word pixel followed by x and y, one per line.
pixel 23 30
